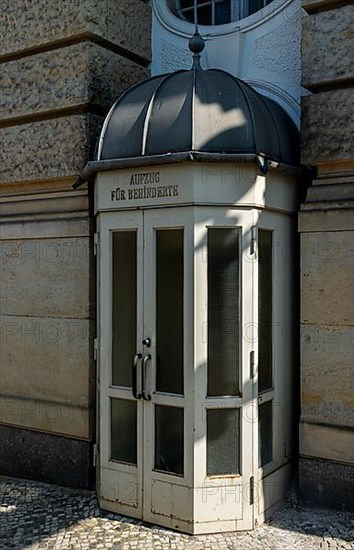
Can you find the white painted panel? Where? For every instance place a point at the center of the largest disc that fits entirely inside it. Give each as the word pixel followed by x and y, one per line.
pixel 120 487
pixel 220 500
pixel 271 490
pixel 199 183
pixel 144 187
pixel 171 500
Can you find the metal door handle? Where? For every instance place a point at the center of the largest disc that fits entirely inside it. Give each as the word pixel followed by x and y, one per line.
pixel 146 396
pixel 136 358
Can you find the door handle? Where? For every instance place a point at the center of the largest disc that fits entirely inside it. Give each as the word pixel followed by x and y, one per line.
pixel 145 395
pixel 136 358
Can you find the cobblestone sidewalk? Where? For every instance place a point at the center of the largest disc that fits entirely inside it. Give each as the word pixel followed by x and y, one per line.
pixel 36 515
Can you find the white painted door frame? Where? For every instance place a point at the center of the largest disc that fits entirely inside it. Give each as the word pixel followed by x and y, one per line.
pixel 181 502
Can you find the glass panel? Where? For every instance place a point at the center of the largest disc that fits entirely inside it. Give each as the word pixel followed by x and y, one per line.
pixel 124 306
pixel 265 299
pixel 205 15
pixel 241 8
pixel 223 312
pixel 169 439
pixel 265 433
pixel 254 5
pixel 123 431
pixel 169 311
pixel 223 442
pixel 222 12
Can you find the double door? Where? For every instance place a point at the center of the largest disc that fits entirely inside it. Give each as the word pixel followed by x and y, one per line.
pixel 176 437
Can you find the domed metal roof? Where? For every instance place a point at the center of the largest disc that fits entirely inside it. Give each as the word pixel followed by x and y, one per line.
pixel 194 110
pixel 194 115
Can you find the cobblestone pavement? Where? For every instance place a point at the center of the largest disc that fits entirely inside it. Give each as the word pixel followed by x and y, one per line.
pixel 36 515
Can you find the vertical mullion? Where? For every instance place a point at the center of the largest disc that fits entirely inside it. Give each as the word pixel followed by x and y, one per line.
pixel 244 9
pixel 237 10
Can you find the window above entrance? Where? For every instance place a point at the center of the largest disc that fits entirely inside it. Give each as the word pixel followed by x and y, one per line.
pixel 216 12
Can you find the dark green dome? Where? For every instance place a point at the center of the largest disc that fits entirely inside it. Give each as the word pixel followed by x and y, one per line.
pixel 197 111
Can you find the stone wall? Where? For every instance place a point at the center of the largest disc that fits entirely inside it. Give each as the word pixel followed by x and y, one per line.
pixel 326 224
pixel 62 66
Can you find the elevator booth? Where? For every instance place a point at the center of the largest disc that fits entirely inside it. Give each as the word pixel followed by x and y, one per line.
pixel 195 199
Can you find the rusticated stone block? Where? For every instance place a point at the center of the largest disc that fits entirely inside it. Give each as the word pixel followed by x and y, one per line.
pixel 316 219
pixel 327 283
pixel 70 204
pixel 48 149
pixel 34 228
pixel 80 74
pixel 46 358
pixel 312 5
pixel 327 384
pixel 60 267
pixel 339 192
pixel 327 131
pixel 327 46
pixel 49 416
pixel 326 441
pixel 126 23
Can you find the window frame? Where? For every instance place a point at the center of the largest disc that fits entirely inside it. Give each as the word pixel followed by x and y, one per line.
pixel 239 9
pixel 165 13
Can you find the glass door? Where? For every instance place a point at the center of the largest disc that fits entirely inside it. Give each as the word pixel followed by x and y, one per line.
pixel 177 365
pixel 120 331
pixel 146 274
pixel 168 323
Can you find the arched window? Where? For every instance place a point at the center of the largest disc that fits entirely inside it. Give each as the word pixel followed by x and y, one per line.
pixel 216 12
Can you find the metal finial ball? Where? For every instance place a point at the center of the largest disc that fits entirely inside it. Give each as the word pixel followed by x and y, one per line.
pixel 196 43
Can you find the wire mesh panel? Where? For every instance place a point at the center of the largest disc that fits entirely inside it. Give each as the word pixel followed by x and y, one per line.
pixel 124 306
pixel 265 299
pixel 223 442
pixel 265 436
pixel 223 312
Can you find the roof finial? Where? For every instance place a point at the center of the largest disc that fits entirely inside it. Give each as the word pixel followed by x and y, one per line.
pixel 196 42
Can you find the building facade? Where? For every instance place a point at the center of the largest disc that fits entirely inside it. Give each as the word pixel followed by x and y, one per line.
pixel 61 74
pixel 326 225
